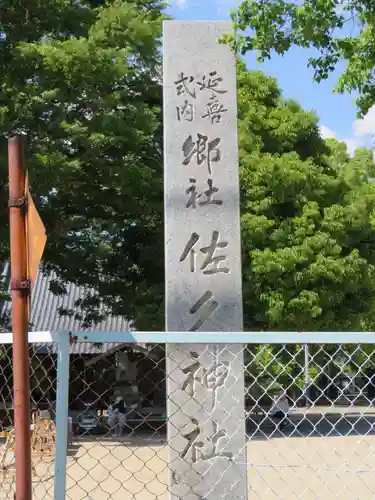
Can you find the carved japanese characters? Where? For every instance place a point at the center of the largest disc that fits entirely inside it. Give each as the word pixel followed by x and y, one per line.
pixel 205 386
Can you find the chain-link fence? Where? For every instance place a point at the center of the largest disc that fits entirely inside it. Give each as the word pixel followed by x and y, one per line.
pixel 309 419
pixel 43 371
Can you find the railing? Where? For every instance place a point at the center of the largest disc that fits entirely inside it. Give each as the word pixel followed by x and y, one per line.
pixel 323 447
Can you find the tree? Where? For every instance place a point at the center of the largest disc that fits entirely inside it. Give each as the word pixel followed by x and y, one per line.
pixel 307 218
pixel 80 80
pixel 308 235
pixel 339 31
pixel 87 94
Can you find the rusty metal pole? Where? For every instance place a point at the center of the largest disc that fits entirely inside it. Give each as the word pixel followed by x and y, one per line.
pixel 20 290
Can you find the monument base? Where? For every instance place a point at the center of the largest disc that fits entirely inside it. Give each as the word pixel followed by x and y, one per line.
pixel 206 421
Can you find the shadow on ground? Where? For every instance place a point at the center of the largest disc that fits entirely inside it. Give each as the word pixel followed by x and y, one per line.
pixel 330 424
pixel 319 424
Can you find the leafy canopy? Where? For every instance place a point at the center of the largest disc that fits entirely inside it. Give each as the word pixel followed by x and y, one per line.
pixel 308 240
pixel 339 30
pixel 80 80
pixel 308 209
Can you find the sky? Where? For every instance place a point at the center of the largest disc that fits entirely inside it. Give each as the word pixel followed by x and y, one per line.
pixel 337 112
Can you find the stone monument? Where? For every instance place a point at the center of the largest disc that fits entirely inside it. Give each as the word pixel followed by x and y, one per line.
pixel 205 383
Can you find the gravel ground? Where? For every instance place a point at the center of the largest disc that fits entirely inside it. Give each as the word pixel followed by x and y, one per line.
pixel 329 457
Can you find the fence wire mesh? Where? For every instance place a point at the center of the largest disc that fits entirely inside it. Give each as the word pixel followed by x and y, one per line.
pixel 42 417
pixel 309 418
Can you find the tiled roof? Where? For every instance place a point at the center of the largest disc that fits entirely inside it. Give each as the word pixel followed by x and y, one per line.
pixel 78 348
pixel 45 308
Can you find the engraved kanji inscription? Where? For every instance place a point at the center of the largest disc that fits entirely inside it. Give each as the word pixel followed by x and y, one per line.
pixel 214 378
pixel 208 194
pixel 207 311
pixel 184 85
pixel 193 445
pixel 190 250
pixel 212 259
pixel 211 264
pixel 180 479
pixel 191 191
pixel 211 82
pixel 204 447
pixel 214 110
pixel 197 497
pixel 203 149
pixel 211 378
pixel 175 478
pixel 192 375
pixel 185 112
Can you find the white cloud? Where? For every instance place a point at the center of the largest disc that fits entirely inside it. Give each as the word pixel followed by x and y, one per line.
pixel 218 7
pixel 327 133
pixel 365 127
pixel 180 3
pixel 352 145
pixel 363 133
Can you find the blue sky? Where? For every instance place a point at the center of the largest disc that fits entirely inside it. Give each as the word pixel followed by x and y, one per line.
pixel 337 112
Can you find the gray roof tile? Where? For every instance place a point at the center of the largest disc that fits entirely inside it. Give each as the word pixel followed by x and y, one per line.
pixel 45 307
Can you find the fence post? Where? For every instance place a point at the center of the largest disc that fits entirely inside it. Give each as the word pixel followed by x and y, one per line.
pixel 62 411
pixel 20 287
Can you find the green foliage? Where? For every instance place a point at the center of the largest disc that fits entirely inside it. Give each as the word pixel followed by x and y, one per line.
pixel 339 31
pixel 307 218
pixel 87 95
pixel 80 79
pixel 308 240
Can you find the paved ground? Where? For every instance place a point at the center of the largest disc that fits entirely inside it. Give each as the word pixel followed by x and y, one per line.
pixel 325 458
